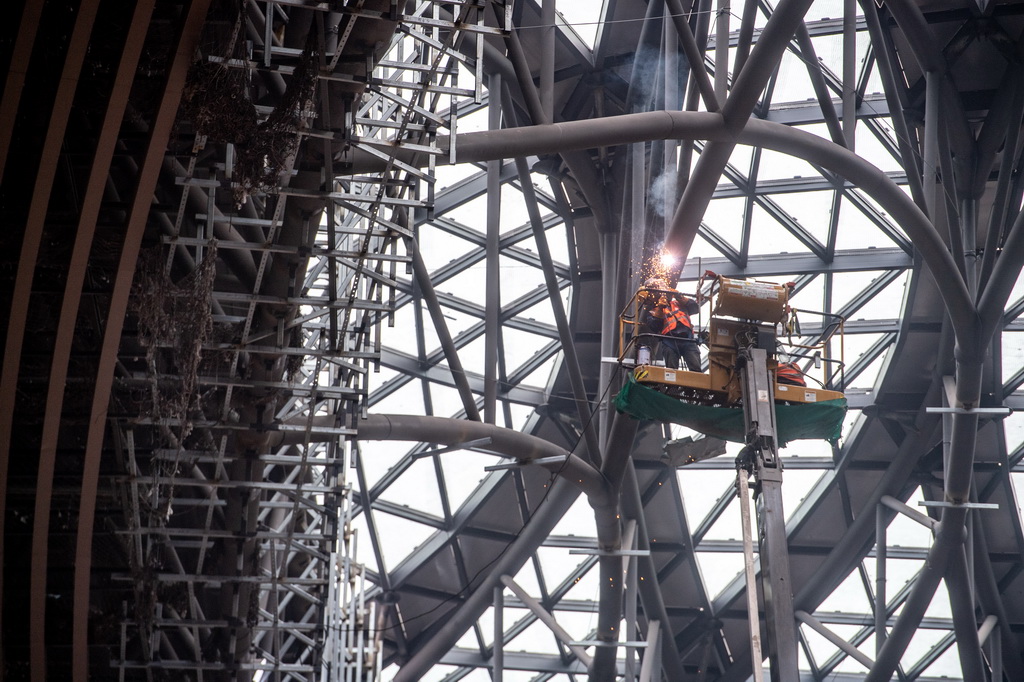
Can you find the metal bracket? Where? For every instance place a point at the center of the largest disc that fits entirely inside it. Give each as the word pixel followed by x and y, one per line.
pixel 958 505
pixel 993 411
pixel 611 552
pixel 601 643
pixel 557 459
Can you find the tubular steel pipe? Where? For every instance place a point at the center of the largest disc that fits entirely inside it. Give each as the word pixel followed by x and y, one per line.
pixel 506 442
pixel 617 130
pixel 899 121
pixel 992 602
pixel 820 87
pixel 819 627
pixel 949 537
pixel 579 390
pixel 933 85
pixel 992 299
pixel 609 537
pixel 950 532
pixel 609 335
pixel 548 514
pixel 647 666
pixel 641 76
pixel 578 162
pixel 1005 176
pixel 987 626
pixel 492 292
pixel 881 602
pixel 547 59
pixel 451 353
pixel 722 50
pixel 650 591
pixel 965 625
pixel 746 34
pixel 908 511
pixel 925 48
pixel 543 616
pixel 849 94
pixel 747 87
pixel 683 125
pixel 498 657
pixel 693 55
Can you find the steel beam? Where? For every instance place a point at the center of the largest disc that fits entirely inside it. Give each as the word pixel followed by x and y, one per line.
pixel 693 55
pixel 747 87
pixel 17 72
pixel 965 624
pixel 451 353
pixel 579 391
pixel 556 504
pixel 698 125
pixel 846 647
pixel 542 614
pixel 492 288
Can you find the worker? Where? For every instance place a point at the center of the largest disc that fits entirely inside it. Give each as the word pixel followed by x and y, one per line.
pixel 666 312
pixel 789 373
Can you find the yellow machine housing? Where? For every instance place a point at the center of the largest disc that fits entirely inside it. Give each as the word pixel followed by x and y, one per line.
pixel 752 300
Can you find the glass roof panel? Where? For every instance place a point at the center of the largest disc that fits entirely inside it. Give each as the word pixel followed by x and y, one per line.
pixel 768 236
pixel 460 480
pixel 419 484
pixel 719 569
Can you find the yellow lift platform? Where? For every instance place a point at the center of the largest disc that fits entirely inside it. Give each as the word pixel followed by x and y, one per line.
pixel 744 315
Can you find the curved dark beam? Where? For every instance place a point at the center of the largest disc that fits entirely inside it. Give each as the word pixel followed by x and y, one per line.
pixel 185 45
pixel 20 303
pixel 17 71
pixel 602 494
pixel 92 200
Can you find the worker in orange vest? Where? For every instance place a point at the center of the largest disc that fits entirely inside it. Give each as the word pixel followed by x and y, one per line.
pixel 789 373
pixel 666 312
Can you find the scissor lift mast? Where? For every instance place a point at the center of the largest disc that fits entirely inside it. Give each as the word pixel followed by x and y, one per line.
pixel 760 458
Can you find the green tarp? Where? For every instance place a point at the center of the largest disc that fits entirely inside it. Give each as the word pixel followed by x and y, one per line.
pixel 794 422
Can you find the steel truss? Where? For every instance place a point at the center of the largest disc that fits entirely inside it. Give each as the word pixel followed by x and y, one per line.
pixel 630 154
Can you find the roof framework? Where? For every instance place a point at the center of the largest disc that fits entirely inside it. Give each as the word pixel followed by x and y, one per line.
pixel 465 194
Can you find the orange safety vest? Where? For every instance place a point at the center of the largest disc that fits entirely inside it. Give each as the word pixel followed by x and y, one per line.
pixel 789 373
pixel 675 316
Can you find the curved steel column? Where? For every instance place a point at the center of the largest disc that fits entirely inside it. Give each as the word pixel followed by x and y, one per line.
pixel 602 494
